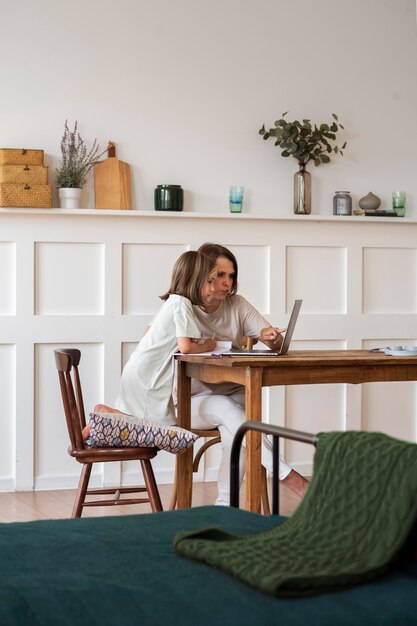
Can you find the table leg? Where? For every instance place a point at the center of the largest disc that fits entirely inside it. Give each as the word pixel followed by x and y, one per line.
pixel 253 404
pixel 184 460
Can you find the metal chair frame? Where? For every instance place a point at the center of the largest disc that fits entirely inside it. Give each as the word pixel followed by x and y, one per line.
pixel 276 432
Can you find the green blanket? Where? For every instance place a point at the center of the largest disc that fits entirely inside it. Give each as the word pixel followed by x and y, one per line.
pixel 357 513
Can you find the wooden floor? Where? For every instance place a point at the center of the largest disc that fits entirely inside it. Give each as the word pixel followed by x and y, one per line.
pixel 25 506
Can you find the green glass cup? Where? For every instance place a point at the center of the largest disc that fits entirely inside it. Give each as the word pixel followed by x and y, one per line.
pixel 398 202
pixel 236 198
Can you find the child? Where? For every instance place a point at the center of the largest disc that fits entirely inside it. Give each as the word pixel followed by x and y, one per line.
pixel 146 384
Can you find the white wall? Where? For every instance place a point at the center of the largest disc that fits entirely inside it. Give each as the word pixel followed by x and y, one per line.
pixel 90 279
pixel 183 86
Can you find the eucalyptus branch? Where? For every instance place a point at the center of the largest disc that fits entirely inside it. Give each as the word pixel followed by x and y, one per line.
pixel 304 141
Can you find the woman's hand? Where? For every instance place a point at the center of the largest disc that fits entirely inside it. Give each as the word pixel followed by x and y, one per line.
pixel 190 346
pixel 272 337
pixel 208 345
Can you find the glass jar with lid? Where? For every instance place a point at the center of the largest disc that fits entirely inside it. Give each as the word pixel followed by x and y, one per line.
pixel 342 203
pixel 169 198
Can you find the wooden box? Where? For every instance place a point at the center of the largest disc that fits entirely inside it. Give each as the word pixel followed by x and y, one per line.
pixel 30 174
pixel 23 195
pixel 20 156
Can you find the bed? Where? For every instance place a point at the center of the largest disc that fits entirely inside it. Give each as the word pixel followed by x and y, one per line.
pixel 123 570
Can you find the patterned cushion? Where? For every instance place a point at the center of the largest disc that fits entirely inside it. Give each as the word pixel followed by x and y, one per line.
pixel 114 430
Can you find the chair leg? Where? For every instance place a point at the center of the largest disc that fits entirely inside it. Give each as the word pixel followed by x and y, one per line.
pixel 82 490
pixel 264 492
pixel 196 462
pixel 173 501
pixel 202 450
pixel 151 486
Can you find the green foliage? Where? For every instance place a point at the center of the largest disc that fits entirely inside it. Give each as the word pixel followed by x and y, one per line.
pixel 304 140
pixel 76 160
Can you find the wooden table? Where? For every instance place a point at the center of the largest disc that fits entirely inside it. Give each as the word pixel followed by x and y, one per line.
pixel 295 368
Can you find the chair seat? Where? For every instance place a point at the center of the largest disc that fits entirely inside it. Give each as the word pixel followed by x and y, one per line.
pixel 94 455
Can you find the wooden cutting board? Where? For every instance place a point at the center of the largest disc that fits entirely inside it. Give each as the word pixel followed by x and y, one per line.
pixel 112 186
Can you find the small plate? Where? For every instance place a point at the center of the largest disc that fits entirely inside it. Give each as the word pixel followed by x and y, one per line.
pixel 402 351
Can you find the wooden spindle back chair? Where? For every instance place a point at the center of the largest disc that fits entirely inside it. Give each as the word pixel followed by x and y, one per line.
pixel 67 362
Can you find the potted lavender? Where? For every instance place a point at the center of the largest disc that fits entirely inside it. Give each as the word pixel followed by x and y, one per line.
pixel 76 162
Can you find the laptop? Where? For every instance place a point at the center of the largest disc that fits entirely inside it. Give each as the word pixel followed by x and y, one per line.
pixel 285 344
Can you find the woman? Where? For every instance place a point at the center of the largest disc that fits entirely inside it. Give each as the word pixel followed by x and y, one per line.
pixel 228 316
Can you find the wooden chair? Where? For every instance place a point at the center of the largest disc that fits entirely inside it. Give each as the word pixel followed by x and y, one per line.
pixel 67 362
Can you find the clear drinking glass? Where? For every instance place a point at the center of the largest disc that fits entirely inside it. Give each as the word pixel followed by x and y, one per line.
pixel 236 198
pixel 398 202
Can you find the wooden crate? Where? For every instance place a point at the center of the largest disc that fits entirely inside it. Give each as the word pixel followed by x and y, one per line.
pixel 23 195
pixel 30 174
pixel 20 156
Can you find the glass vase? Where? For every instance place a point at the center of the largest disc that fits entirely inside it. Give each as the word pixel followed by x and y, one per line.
pixel 302 192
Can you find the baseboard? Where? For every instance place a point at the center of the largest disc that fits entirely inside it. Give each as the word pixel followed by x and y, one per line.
pixel 305 469
pixel 68 481
pixel 7 484
pixel 210 475
pixel 163 477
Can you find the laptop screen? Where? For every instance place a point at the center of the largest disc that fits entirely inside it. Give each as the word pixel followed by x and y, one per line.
pixel 290 328
pixel 285 344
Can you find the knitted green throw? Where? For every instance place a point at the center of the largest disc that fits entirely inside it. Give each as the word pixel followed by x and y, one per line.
pixel 358 510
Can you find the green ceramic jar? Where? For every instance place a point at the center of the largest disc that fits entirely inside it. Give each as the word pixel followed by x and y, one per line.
pixel 169 198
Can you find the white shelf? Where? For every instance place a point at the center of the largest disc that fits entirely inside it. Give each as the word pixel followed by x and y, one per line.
pixel 215 215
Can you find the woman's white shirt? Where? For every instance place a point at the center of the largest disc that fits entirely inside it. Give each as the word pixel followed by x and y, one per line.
pixel 234 319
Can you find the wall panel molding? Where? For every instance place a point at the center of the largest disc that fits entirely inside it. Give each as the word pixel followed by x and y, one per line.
pixel 342 268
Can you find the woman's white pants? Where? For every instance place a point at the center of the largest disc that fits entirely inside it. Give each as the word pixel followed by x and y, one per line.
pixel 227 413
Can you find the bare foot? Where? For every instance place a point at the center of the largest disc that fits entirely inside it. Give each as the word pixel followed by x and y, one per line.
pixel 103 408
pixel 297 483
pixel 99 408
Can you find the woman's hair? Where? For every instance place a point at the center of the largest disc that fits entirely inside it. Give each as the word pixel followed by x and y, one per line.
pixel 213 251
pixel 189 274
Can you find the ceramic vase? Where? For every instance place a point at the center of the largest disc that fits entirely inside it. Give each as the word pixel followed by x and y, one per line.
pixel 302 192
pixel 69 197
pixel 370 202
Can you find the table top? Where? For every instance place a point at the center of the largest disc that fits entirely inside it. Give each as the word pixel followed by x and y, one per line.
pixel 299 367
pixel 300 358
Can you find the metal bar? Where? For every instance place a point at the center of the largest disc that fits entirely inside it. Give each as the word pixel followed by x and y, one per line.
pixel 276 431
pixel 275 475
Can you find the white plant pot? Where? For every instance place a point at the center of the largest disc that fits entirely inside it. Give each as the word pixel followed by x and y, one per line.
pixel 69 197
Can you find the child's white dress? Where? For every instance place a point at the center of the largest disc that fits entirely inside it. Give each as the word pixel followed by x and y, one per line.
pixel 146 385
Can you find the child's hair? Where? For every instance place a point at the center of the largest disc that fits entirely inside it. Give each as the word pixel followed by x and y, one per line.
pixel 189 274
pixel 213 251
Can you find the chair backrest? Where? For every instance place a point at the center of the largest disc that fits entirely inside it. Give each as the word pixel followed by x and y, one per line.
pixel 67 362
